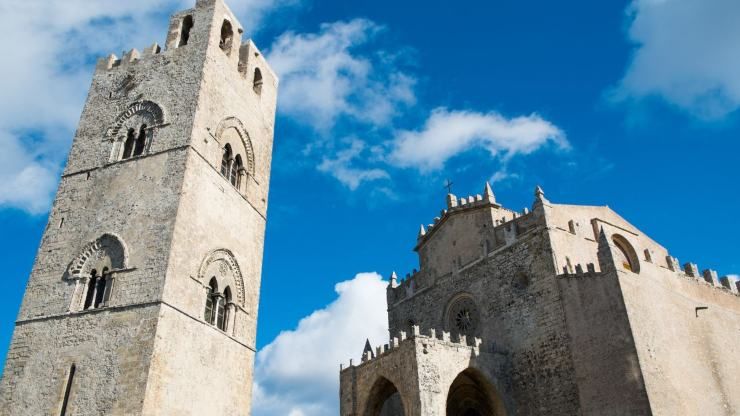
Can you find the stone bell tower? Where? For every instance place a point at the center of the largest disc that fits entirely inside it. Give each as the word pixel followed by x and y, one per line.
pixel 143 298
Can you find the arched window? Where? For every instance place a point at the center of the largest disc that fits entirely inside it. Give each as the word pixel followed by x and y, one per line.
pixel 140 141
pixel 211 301
pixel 257 83
pixel 215 312
pixel 187 24
pixel 227 37
pixel 128 146
pixel 98 289
pixel 222 321
pixel 625 254
pixel 226 161
pixel 91 285
pixel 236 170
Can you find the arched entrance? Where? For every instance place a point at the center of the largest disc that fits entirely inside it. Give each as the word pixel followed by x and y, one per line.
pixel 384 400
pixel 471 395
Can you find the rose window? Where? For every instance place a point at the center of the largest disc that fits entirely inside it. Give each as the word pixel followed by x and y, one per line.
pixel 463 316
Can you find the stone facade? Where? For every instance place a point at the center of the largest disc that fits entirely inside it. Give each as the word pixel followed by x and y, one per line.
pixel 143 297
pixel 564 310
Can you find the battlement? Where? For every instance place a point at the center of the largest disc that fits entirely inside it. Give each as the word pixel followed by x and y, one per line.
pixel 443 338
pixel 208 26
pixel 689 271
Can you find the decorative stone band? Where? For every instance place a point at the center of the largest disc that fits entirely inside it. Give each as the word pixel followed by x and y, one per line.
pixel 443 338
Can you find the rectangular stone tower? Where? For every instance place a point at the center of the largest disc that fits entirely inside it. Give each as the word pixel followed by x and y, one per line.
pixel 143 298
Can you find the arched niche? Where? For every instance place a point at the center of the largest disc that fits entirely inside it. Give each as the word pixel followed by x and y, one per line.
pixel 625 255
pixel 231 131
pixel 384 399
pixel 107 251
pixel 470 394
pixel 222 265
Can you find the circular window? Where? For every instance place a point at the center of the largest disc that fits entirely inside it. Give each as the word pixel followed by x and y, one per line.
pixel 463 316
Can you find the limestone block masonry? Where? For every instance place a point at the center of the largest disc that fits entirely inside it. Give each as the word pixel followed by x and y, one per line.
pixel 561 310
pixel 143 296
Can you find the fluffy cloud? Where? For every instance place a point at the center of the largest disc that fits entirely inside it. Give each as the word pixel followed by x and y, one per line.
pixel 686 54
pixel 298 373
pixel 448 133
pixel 342 166
pixel 325 76
pixel 48 48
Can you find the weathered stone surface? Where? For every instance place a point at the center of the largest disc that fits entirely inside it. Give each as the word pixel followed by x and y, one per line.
pixel 571 320
pixel 161 220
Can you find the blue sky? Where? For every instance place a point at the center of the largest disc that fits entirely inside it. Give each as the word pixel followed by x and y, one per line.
pixel 626 104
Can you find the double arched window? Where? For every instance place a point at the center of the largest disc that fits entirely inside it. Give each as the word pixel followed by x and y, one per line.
pixel 98 289
pixel 135 142
pixel 217 304
pixel 232 167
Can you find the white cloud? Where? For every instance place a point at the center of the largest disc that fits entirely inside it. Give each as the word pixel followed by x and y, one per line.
pixel 685 53
pixel 324 76
pixel 298 372
pixel 341 167
pixel 448 133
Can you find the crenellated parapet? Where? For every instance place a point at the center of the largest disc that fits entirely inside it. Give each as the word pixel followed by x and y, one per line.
pixel 403 339
pixel 690 271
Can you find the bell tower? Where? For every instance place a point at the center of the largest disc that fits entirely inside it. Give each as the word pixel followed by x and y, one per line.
pixel 143 297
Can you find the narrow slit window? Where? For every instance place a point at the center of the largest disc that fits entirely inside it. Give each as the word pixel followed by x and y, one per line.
pixel 68 389
pixel 257 83
pixel 187 24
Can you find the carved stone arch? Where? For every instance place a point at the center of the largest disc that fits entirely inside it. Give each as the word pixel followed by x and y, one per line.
pixel 233 122
pixel 140 113
pixel 150 111
pixel 222 264
pixel 108 250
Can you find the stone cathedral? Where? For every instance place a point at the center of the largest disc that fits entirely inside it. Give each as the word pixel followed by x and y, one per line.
pixel 558 310
pixel 143 297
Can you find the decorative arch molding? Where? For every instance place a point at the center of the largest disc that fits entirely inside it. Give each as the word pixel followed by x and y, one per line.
pixel 225 263
pixel 108 250
pixel 236 124
pixel 149 110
